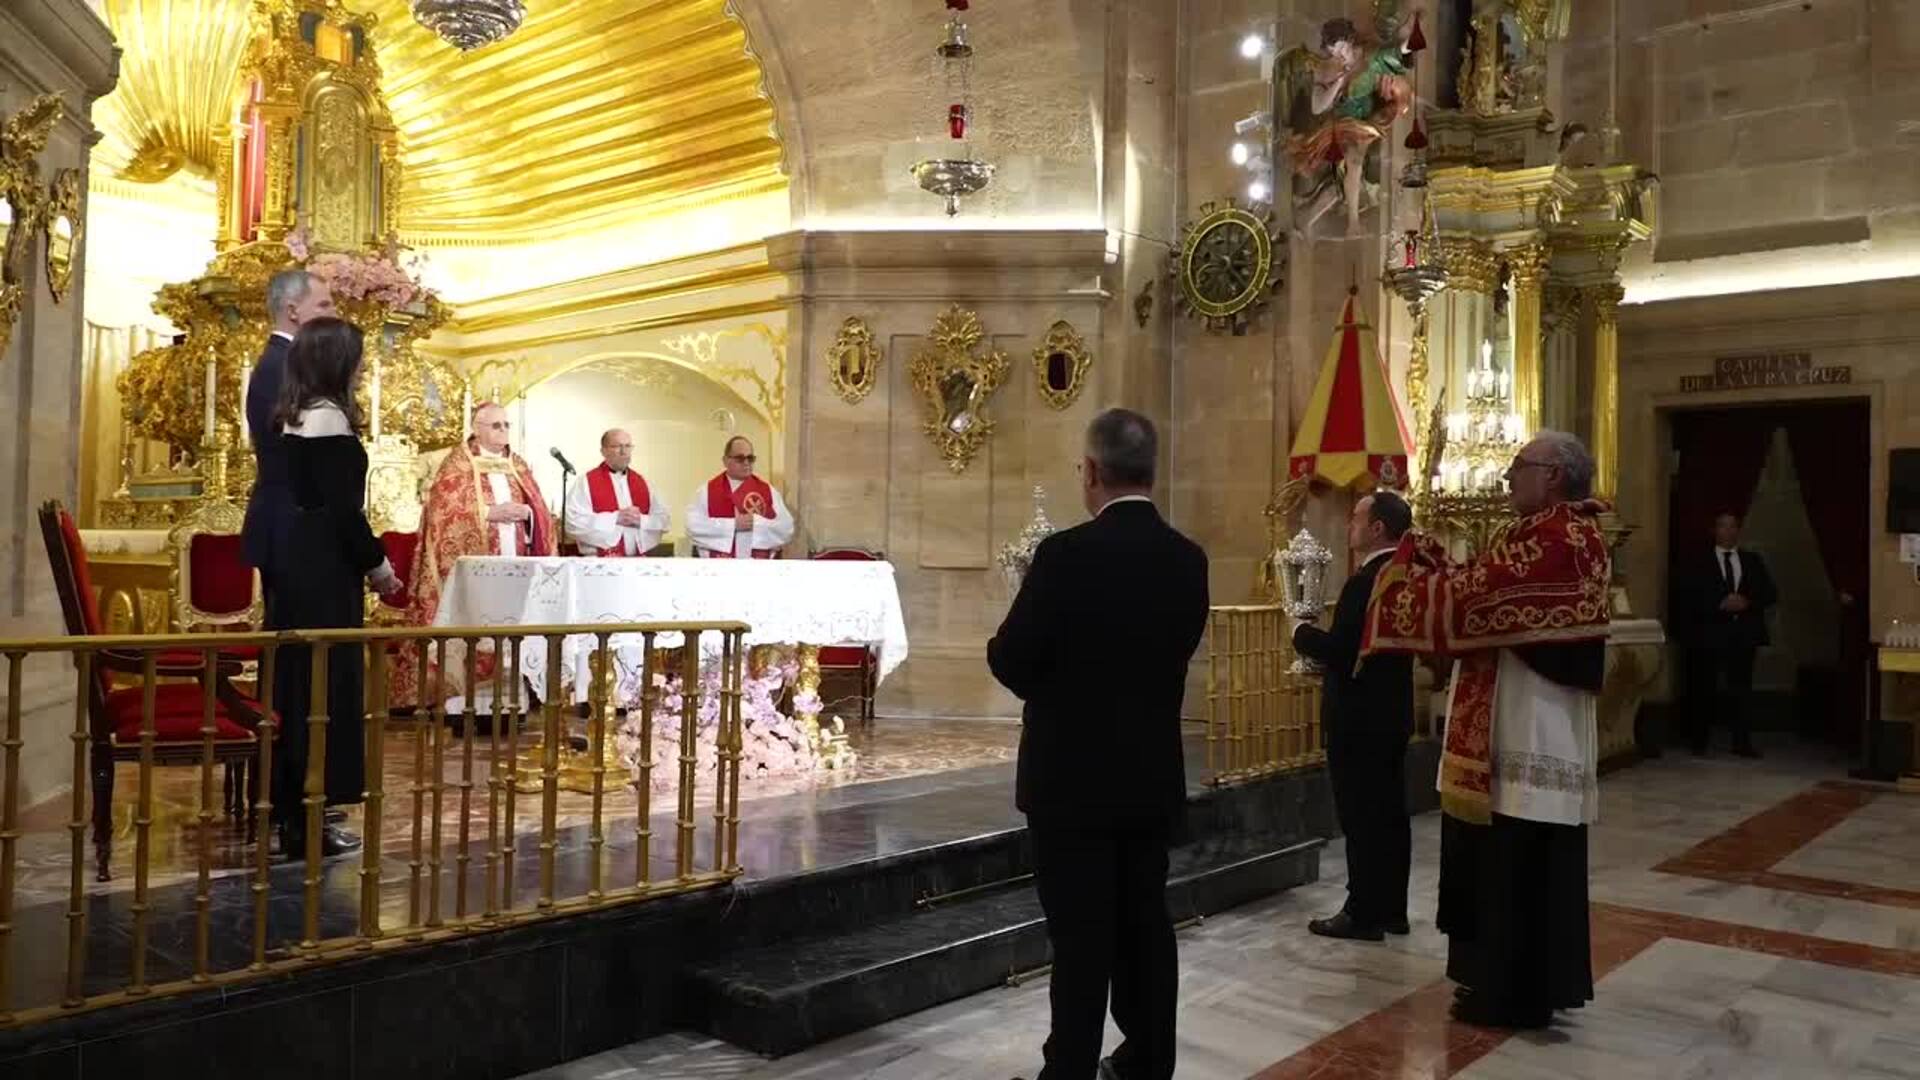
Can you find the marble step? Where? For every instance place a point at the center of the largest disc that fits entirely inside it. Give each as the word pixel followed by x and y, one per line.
pixel 779 999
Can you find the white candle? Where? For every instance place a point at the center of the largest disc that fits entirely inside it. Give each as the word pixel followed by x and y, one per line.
pixel 376 399
pixel 212 389
pixel 240 400
pixel 466 412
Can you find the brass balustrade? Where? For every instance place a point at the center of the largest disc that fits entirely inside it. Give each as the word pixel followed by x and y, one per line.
pixel 427 918
pixel 1262 717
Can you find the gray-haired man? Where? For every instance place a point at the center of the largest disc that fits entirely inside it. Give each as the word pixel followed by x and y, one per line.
pixel 293 297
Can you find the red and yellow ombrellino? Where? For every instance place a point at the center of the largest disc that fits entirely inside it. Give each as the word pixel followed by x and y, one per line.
pixel 1353 435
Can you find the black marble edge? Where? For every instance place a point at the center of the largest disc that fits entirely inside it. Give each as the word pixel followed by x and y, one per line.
pixel 531 933
pixel 766 887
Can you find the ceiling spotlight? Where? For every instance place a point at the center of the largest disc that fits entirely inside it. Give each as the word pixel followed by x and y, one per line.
pixel 1257 191
pixel 1252 46
pixel 1241 153
pixel 1251 123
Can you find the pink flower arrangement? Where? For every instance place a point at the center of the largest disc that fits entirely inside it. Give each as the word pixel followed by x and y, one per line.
pixel 378 277
pixel 772 743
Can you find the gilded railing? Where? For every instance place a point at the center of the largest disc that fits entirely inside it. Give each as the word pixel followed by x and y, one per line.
pixel 295 914
pixel 1263 717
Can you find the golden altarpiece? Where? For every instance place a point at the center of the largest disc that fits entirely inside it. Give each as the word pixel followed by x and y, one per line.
pixel 310 177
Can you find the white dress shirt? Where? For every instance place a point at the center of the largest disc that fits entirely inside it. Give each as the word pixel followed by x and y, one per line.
pixel 1720 563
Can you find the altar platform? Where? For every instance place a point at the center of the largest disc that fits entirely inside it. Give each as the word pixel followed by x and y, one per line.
pixel 874 894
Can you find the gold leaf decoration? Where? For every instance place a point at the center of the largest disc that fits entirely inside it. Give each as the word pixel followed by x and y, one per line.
pixel 955 386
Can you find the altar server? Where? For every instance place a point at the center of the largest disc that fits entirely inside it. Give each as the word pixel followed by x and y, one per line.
pixel 613 513
pixel 738 515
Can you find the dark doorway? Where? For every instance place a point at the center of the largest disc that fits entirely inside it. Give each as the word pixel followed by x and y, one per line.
pixel 1798 476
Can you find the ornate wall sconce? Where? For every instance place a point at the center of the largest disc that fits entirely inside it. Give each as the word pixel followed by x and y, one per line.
pixel 22 200
pixel 65 227
pixel 1060 365
pixel 955 386
pixel 853 361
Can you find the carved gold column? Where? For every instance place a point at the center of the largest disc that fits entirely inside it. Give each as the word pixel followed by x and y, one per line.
pixel 1604 300
pixel 1528 265
pixel 276 215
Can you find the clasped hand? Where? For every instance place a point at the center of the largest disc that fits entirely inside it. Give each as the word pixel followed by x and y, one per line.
pixel 505 513
pixel 743 521
pixel 630 518
pixel 1733 603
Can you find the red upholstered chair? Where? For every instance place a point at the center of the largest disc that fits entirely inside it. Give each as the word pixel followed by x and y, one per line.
pixel 213 587
pixel 863 660
pixel 114 715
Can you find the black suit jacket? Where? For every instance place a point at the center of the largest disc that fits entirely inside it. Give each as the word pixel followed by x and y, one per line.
pixel 1706 586
pixel 1097 645
pixel 1376 702
pixel 270 506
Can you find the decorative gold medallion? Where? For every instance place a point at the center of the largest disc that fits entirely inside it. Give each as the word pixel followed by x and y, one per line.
pixel 1060 365
pixel 1225 267
pixel 955 385
pixel 65 226
pixel 853 361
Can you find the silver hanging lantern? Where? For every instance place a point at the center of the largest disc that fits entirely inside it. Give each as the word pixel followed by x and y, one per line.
pixel 1016 556
pixel 1303 584
pixel 960 173
pixel 470 24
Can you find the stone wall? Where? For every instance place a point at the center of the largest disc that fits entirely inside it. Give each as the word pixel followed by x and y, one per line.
pixel 1782 134
pixel 59 47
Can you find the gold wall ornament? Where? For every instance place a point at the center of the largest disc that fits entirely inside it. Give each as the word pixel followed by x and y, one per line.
pixel 1225 267
pixel 701 352
pixel 955 386
pixel 65 226
pixel 22 200
pixel 853 361
pixel 1060 365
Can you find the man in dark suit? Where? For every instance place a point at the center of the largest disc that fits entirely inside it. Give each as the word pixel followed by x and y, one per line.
pixel 1726 596
pixel 293 297
pixel 1097 644
pixel 1368 717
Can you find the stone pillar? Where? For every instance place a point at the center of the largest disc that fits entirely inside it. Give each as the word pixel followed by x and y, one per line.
pixel 1460 314
pixel 1560 365
pixel 1528 265
pixel 1604 300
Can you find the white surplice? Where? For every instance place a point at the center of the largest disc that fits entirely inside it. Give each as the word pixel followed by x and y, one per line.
pixel 1546 747
pixel 595 529
pixel 711 534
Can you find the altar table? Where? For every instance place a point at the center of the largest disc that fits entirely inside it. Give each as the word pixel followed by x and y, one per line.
pixel 785 602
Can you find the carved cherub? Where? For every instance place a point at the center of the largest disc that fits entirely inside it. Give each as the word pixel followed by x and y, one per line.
pixel 1339 102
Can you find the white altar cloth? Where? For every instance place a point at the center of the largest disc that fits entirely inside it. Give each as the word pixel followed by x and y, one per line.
pixel 784 601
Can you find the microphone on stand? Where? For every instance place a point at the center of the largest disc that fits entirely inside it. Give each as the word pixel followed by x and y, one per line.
pixel 562 459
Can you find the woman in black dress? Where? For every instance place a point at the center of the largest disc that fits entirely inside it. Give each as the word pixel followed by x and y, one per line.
pixel 332 553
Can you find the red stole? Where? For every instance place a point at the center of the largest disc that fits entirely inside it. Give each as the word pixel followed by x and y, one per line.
pixel 754 495
pixel 606 501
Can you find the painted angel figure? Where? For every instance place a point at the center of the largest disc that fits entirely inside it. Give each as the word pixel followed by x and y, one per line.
pixel 1339 102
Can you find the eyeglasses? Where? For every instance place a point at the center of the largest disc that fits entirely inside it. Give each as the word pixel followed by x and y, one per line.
pixel 1523 463
pixel 499 425
pixel 744 459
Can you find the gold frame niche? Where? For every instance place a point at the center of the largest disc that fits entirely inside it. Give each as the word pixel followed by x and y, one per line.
pixel 215 516
pixel 22 139
pixel 947 373
pixel 854 346
pixel 1062 338
pixel 63 203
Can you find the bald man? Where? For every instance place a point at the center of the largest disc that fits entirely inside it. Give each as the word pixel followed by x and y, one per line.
pixel 614 514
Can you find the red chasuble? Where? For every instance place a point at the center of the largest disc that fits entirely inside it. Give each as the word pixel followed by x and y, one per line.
pixel 606 501
pixel 754 495
pixel 1543 581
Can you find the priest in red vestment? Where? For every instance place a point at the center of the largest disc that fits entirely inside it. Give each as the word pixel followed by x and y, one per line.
pixel 613 513
pixel 483 501
pixel 738 515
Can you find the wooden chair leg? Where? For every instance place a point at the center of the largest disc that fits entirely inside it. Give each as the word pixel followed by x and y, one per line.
pixel 102 814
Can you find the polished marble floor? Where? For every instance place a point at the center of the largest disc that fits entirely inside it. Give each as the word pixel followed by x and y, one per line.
pixel 1751 920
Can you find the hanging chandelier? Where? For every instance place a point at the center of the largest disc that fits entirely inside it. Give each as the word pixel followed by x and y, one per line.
pixel 960 173
pixel 470 24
